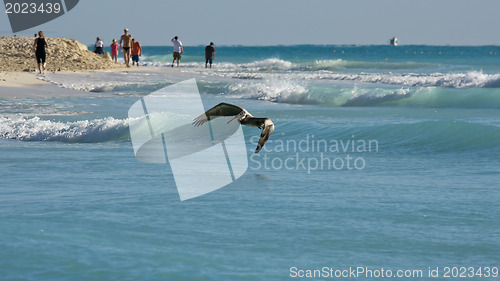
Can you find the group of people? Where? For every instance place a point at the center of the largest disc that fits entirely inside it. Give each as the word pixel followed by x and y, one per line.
pixel 130 47
pixel 179 50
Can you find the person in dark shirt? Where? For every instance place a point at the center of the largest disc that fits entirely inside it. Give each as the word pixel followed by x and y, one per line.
pixel 39 47
pixel 209 54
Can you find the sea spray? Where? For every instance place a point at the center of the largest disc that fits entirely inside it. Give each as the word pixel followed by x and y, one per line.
pixel 85 131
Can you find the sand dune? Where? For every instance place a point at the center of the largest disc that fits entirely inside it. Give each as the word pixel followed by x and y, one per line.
pixel 63 54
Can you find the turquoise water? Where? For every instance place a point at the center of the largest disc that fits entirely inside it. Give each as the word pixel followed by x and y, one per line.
pixel 76 204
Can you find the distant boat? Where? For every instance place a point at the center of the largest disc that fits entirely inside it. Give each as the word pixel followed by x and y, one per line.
pixel 393 41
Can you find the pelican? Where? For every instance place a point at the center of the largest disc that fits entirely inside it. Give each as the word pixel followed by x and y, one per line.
pixel 240 114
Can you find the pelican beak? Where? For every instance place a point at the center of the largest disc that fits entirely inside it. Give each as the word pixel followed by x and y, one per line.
pixel 234 119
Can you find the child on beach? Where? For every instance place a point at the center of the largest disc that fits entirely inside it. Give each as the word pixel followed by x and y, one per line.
pixel 136 52
pixel 114 50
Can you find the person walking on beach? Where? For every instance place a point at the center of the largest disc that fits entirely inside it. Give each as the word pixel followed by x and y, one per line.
pixel 209 54
pixel 136 52
pixel 126 44
pixel 34 42
pixel 99 46
pixel 114 50
pixel 178 50
pixel 39 46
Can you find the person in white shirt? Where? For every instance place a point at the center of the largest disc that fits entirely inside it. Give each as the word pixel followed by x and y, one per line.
pixel 99 46
pixel 178 50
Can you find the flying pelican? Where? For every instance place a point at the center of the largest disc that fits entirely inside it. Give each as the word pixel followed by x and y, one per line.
pixel 242 115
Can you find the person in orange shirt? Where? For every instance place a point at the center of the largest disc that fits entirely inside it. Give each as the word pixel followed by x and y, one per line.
pixel 136 52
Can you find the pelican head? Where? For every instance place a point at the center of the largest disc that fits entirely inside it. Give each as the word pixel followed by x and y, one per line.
pixel 240 117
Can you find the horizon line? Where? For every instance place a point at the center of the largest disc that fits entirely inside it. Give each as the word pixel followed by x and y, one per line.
pixel 299 44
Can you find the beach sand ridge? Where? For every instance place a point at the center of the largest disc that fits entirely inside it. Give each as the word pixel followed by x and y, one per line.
pixel 62 55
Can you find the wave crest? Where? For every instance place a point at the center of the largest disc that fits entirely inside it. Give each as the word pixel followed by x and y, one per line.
pixel 271 90
pixel 268 64
pixel 339 64
pixel 87 131
pixel 473 79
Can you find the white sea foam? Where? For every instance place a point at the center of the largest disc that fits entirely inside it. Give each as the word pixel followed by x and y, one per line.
pixel 340 64
pixel 36 107
pixel 297 92
pixel 24 128
pixel 81 82
pixel 365 97
pixel 471 79
pixel 276 64
pixel 268 64
pixel 278 72
pixel 261 65
pixel 101 81
pixel 270 90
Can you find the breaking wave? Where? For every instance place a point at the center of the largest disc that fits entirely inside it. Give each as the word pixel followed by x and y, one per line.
pixel 299 92
pixel 472 79
pixel 87 131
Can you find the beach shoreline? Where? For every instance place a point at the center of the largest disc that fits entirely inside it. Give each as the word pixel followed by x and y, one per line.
pixel 28 85
pixel 15 84
pixel 21 84
pixel 18 77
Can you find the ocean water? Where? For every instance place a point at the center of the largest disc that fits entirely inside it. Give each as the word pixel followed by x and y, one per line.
pixel 383 158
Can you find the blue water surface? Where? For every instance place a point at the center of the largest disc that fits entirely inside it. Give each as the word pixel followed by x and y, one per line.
pixel 75 203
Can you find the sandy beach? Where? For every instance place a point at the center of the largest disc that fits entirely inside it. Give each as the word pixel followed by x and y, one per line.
pixel 27 85
pixel 18 76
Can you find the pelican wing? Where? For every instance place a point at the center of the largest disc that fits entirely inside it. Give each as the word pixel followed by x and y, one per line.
pixel 268 129
pixel 222 109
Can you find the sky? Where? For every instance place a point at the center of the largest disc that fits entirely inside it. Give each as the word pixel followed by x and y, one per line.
pixel 279 22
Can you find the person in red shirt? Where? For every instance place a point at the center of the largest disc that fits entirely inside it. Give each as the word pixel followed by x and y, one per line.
pixel 114 50
pixel 136 52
